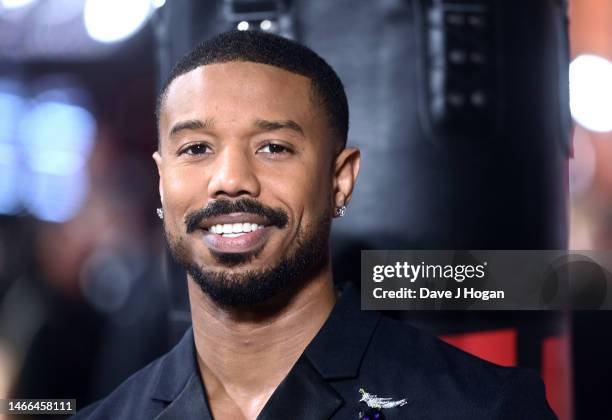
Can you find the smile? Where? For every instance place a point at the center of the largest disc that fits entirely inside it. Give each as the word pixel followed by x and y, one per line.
pixel 236 233
pixel 233 230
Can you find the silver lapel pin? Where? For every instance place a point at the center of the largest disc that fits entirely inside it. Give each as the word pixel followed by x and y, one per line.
pixel 374 401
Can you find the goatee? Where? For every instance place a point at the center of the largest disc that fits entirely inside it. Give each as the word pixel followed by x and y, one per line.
pixel 308 256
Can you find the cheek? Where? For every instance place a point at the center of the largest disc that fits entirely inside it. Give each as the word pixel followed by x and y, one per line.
pixel 182 191
pixel 322 184
pixel 307 190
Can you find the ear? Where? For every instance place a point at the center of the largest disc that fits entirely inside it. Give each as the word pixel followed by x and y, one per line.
pixel 346 168
pixel 158 162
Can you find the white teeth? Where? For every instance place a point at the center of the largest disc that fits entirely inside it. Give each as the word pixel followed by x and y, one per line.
pixel 232 235
pixel 232 230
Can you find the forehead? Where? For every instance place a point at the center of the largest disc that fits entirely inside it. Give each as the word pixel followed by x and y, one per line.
pixel 236 91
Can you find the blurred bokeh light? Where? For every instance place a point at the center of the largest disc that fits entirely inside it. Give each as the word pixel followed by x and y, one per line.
pixel 115 20
pixel 591 92
pixel 45 144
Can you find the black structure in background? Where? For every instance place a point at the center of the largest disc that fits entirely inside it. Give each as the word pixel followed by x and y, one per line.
pixel 461 111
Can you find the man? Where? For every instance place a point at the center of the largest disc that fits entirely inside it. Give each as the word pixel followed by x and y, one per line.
pixel 253 168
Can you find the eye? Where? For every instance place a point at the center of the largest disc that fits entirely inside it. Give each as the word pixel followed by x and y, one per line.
pixel 196 149
pixel 274 149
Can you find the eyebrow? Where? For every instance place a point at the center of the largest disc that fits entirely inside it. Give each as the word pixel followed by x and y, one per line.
pixel 279 125
pixel 191 125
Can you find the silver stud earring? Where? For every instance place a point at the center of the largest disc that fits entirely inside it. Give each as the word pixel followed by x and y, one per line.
pixel 160 213
pixel 340 211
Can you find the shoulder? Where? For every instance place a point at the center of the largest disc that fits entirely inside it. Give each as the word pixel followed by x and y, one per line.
pixel 147 392
pixel 437 374
pixel 131 400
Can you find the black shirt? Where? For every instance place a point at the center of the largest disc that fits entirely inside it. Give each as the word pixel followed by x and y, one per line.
pixel 353 350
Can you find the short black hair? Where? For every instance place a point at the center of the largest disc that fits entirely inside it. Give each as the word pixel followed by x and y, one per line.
pixel 266 48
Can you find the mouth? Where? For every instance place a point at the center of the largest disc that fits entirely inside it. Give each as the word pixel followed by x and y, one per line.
pixel 236 232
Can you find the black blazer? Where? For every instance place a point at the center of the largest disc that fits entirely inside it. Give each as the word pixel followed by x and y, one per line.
pixel 354 349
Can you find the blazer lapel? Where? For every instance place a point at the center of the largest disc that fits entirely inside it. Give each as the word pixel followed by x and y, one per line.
pixel 190 403
pixel 308 390
pixel 335 354
pixel 178 384
pixel 303 394
pixel 337 350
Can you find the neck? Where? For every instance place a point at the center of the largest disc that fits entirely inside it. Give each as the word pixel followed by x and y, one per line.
pixel 244 353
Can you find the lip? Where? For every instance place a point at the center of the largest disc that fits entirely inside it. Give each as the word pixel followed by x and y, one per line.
pixel 246 242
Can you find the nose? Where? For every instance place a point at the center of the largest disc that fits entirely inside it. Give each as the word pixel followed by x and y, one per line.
pixel 233 175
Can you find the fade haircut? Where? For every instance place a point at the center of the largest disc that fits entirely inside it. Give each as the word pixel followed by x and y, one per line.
pixel 273 50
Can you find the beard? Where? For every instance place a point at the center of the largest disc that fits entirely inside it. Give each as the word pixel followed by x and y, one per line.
pixel 303 261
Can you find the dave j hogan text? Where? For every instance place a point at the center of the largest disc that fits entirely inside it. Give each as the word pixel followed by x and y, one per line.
pixel 426 293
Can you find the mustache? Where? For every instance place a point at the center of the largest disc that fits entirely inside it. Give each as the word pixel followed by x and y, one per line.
pixel 274 216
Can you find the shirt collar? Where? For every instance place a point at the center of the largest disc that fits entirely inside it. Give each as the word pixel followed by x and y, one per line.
pixel 335 353
pixel 337 350
pixel 175 369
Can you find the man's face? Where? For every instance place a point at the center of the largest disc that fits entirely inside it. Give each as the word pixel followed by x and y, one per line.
pixel 248 173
